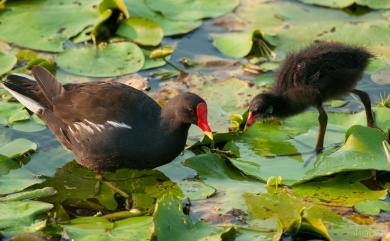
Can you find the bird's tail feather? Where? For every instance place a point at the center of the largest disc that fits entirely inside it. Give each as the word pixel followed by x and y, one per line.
pixel 49 85
pixel 22 88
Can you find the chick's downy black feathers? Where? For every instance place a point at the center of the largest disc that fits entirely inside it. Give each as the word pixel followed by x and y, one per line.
pixel 319 72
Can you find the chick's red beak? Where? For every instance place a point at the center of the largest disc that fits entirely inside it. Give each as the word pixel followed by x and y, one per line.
pixel 249 121
pixel 201 111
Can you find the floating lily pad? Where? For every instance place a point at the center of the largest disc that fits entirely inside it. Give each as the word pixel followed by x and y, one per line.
pixel 363 150
pixel 337 191
pixel 100 229
pixel 170 221
pixel 7 62
pixel 372 207
pixel 295 25
pixel 52 156
pixel 17 180
pixel 17 148
pixel 111 60
pixel 297 216
pixel 236 45
pixel 15 116
pixel 231 94
pixel 286 149
pixel 376 4
pixel 46 25
pixel 114 4
pixel 141 30
pixel 170 27
pixel 21 215
pixel 214 171
pixel 75 184
pixel 196 190
pixel 192 10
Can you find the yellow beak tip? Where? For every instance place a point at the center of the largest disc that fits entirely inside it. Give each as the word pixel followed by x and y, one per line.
pixel 209 134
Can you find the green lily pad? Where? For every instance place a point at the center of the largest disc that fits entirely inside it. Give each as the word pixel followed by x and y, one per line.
pixel 372 207
pixel 19 115
pixel 376 4
pixel 281 205
pixel 170 221
pixel 236 45
pixel 114 4
pixel 213 171
pixel 231 94
pixel 196 190
pixel 297 216
pixel 20 215
pixel 363 150
pixel 7 62
pixel 337 191
pixel 170 27
pixel 295 25
pixel 15 116
pixel 75 183
pixel 100 229
pixel 46 25
pixel 17 147
pixel 51 156
pixel 192 10
pixel 111 60
pixel 17 180
pixel 286 148
pixel 34 194
pixel 141 30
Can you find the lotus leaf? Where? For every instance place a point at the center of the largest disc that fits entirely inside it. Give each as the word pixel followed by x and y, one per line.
pixel 102 61
pixel 46 25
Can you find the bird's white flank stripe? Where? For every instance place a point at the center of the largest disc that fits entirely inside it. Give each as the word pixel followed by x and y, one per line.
pixel 24 100
pixel 90 126
pixel 119 124
pixel 98 127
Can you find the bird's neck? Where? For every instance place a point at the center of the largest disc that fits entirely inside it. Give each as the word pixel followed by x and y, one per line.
pixel 284 107
pixel 173 134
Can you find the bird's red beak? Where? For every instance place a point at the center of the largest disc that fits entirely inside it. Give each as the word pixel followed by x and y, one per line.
pixel 201 111
pixel 249 121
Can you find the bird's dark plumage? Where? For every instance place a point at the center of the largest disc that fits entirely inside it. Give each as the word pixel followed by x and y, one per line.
pixel 109 125
pixel 311 76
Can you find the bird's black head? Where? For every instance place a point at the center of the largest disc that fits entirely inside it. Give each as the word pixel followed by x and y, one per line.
pixel 190 108
pixel 261 107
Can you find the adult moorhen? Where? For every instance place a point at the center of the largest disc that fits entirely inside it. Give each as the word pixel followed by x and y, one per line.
pixel 311 76
pixel 109 125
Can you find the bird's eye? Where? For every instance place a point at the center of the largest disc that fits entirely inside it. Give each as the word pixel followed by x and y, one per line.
pixel 191 111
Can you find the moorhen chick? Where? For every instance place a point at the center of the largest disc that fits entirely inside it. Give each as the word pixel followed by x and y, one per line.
pixel 109 125
pixel 317 73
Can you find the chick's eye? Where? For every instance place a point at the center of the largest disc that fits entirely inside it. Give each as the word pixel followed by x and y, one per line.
pixel 191 111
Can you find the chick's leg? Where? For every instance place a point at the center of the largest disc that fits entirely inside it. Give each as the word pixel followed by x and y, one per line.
pixel 323 121
pixel 367 106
